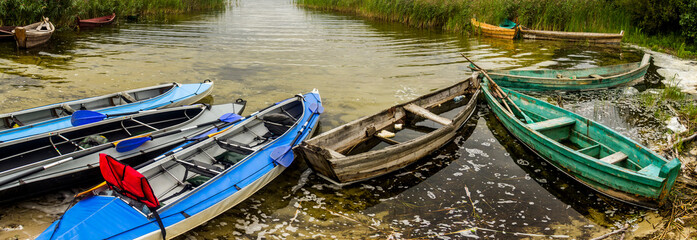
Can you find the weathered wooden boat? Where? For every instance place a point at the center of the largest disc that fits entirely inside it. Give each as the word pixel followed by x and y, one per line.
pixel 495 31
pixel 589 152
pixel 6 33
pixel 71 154
pixel 195 183
pixel 574 79
pixel 34 34
pixel 24 123
pixel 96 22
pixel 346 154
pixel 527 33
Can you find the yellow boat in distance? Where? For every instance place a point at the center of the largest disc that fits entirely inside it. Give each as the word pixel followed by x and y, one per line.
pixel 495 31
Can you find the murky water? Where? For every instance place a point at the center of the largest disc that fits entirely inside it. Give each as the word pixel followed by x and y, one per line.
pixel 484 184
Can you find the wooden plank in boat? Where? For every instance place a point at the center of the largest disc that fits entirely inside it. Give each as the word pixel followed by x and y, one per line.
pixel 422 112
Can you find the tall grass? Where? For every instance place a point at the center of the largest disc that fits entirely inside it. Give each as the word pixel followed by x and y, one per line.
pixel 568 15
pixel 63 12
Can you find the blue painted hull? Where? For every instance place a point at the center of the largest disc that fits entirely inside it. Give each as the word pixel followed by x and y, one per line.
pixel 107 217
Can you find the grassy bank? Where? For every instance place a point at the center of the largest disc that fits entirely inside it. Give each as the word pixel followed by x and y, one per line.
pixel 63 12
pixel 570 15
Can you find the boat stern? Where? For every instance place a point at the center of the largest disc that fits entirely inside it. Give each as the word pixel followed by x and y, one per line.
pixel 670 172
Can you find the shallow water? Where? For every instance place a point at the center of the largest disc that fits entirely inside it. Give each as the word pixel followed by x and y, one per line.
pixel 484 184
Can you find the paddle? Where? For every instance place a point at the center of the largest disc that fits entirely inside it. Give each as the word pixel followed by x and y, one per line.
pixel 82 117
pixel 283 154
pixel 129 144
pixel 133 143
pixel 499 91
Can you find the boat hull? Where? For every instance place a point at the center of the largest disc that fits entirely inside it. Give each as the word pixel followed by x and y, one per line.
pixel 640 187
pixel 322 153
pixel 495 31
pixel 572 80
pixel 96 22
pixel 29 37
pixel 196 206
pixel 572 36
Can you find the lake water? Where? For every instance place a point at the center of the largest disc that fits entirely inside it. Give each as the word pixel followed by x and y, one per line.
pixel 484 184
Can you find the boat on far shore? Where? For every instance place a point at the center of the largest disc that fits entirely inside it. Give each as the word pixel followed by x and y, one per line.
pixel 96 22
pixel 34 34
pixel 527 33
pixel 572 79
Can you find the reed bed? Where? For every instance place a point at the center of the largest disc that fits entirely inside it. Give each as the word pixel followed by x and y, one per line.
pixel 570 15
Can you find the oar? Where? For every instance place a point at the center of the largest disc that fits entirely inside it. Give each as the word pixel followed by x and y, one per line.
pixel 82 117
pixel 283 154
pixel 133 143
pixel 122 146
pixel 498 89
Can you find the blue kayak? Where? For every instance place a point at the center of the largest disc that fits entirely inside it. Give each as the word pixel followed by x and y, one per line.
pixel 29 122
pixel 194 183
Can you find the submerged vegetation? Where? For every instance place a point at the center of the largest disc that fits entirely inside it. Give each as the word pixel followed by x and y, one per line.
pixel 661 25
pixel 63 13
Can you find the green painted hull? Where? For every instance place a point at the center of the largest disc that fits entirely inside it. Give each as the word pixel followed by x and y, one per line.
pixel 572 80
pixel 583 149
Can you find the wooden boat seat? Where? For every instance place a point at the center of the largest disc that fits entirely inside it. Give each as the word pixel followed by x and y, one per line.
pixel 651 170
pixel 614 158
pixel 422 112
pixel 552 123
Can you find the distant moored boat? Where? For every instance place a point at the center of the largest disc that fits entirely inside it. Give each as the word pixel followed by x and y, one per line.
pixel 495 31
pixel 527 33
pixel 34 34
pixel 96 22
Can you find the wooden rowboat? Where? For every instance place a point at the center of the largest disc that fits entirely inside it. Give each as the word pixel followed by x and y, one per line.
pixel 571 80
pixel 34 34
pixel 348 153
pixel 6 33
pixel 96 22
pixel 589 152
pixel 494 31
pixel 527 33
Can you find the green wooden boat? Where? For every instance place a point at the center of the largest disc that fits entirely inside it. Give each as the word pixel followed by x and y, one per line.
pixel 587 151
pixel 572 80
